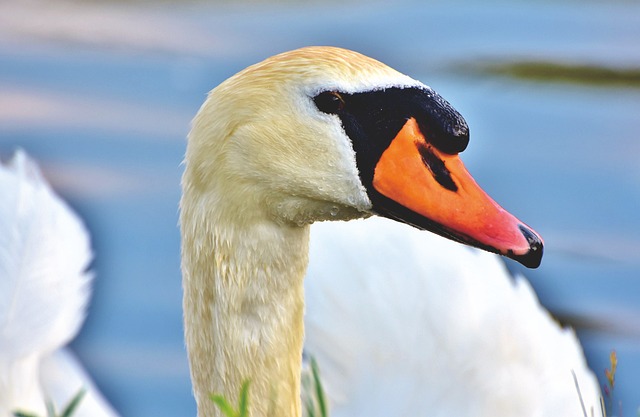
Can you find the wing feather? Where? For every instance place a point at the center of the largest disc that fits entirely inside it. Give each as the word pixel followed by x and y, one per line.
pixel 44 256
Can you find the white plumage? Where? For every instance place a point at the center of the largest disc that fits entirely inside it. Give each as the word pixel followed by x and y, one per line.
pixel 44 290
pixel 405 323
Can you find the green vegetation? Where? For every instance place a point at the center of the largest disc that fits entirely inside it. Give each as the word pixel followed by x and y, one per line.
pixel 315 403
pixel 243 403
pixel 549 71
pixel 51 411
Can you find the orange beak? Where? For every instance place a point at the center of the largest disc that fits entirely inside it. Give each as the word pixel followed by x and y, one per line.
pixel 436 186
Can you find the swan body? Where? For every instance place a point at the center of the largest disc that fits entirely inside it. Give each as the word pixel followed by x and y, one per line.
pixel 314 134
pixel 404 323
pixel 44 290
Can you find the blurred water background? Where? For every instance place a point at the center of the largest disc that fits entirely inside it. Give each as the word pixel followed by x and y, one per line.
pixel 102 93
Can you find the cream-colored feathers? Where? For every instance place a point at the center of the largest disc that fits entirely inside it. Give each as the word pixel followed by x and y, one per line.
pixel 259 136
pixel 261 164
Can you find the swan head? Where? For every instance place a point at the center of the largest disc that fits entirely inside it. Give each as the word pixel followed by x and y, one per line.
pixel 324 133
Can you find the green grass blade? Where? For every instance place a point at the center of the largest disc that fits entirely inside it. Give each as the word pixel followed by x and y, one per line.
pixel 243 404
pixel 73 404
pixel 322 403
pixel 310 406
pixel 22 414
pixel 51 410
pixel 224 405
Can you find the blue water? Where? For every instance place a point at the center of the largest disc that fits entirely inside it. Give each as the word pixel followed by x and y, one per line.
pixel 106 111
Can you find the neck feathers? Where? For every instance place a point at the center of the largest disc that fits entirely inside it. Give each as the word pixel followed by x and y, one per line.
pixel 243 306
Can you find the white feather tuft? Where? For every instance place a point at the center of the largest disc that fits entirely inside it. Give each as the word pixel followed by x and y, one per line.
pixel 44 282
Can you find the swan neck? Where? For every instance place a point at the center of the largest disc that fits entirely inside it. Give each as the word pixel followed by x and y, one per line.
pixel 243 306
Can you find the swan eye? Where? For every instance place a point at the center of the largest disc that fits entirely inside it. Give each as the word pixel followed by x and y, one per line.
pixel 329 102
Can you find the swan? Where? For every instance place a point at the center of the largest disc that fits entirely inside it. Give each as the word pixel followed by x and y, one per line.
pixel 44 290
pixel 406 323
pixel 314 134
